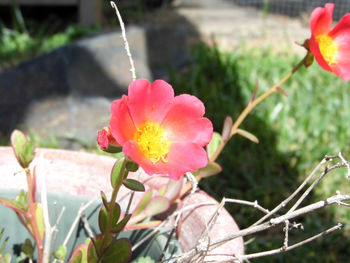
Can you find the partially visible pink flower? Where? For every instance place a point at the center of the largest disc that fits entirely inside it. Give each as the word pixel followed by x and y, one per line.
pixel 331 47
pixel 105 138
pixel 162 133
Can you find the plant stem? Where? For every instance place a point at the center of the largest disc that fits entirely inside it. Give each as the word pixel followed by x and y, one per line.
pixel 107 236
pixel 253 104
pixel 32 215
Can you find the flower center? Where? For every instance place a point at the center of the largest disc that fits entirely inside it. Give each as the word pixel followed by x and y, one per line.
pixel 328 48
pixel 152 142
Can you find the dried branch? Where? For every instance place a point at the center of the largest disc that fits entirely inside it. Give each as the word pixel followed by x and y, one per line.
pixel 313 185
pixel 76 220
pixel 248 203
pixel 48 229
pixel 190 177
pixel 126 44
pixel 346 163
pixel 286 231
pixel 284 248
pixel 336 199
pixel 289 198
pixel 87 226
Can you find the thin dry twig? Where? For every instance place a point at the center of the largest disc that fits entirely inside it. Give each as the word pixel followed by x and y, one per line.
pixel 289 198
pixel 288 248
pixel 190 177
pixel 336 199
pixel 48 228
pixel 346 163
pixel 154 231
pixel 313 185
pixel 203 241
pixel 254 204
pixel 87 226
pixel 286 236
pixel 126 44
pixel 76 220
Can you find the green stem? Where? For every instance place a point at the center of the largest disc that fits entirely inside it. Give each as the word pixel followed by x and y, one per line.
pixel 107 237
pixel 253 104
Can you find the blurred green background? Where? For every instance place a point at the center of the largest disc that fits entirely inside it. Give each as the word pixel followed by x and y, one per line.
pixel 295 132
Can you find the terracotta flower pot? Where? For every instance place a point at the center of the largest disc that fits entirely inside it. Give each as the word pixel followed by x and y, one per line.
pixel 84 175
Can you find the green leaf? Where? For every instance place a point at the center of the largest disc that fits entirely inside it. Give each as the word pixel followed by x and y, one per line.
pixel 116 214
pixel 21 199
pixel 95 244
pixel 22 147
pixel 113 149
pixel 309 60
pixel 173 189
pixel 120 226
pixel 157 205
pixel 119 252
pixel 102 219
pixel 103 215
pixel 40 219
pixel 13 205
pixel 161 191
pixel 145 260
pixel 211 169
pixel 27 248
pixel 115 174
pixel 144 225
pixel 134 185
pixel 143 202
pixel 214 144
pixel 61 253
pixel 77 258
pixel 6 258
pixel 79 255
pixel 104 199
pixel 131 166
pixel 226 129
pixel 248 135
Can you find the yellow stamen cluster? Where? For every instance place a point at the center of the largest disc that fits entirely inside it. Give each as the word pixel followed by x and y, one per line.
pixel 152 142
pixel 328 48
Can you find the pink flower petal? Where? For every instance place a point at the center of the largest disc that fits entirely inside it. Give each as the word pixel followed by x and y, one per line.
pixel 342 30
pixel 182 158
pixel 341 35
pixel 121 123
pixel 342 70
pixel 322 19
pixel 149 102
pixel 185 123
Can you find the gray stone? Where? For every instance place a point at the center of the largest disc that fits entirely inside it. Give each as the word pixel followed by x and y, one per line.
pixel 73 121
pixel 59 93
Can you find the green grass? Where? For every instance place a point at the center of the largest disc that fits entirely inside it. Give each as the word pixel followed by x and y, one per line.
pixel 17 46
pixel 295 133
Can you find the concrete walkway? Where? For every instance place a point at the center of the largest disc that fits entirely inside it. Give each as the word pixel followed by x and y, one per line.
pixel 231 25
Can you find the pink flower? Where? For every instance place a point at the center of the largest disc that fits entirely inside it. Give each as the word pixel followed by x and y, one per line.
pixel 162 133
pixel 331 47
pixel 105 139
